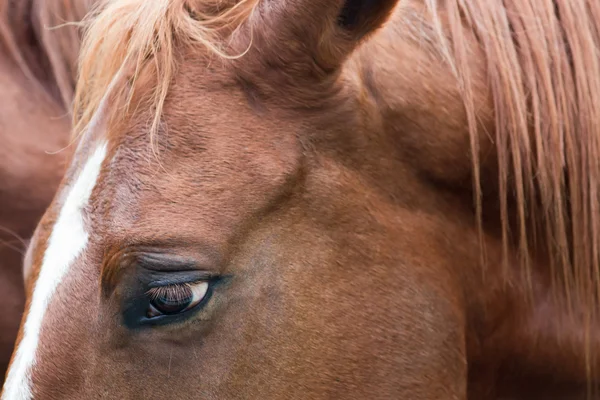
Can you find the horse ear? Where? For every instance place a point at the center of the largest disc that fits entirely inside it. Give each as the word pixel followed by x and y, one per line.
pixel 350 23
pixel 327 29
pixel 360 17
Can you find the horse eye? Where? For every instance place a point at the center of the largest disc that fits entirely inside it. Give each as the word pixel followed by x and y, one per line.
pixel 176 298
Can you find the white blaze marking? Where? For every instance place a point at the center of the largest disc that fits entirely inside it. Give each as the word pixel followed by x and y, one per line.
pixel 65 244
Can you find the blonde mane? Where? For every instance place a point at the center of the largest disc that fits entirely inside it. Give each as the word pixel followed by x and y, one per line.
pixel 544 75
pixel 543 72
pixel 126 36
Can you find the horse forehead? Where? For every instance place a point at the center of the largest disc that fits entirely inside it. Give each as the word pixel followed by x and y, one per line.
pixel 66 242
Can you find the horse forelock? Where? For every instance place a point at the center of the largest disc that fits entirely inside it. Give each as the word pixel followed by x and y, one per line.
pixel 134 34
pixel 543 74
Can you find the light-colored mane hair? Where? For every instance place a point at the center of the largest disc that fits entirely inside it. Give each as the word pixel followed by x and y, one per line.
pixel 54 24
pixel 544 76
pixel 126 36
pixel 543 70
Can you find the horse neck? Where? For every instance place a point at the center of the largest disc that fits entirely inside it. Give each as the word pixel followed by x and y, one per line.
pixel 46 56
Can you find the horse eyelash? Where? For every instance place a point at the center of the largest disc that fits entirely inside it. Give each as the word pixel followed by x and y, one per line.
pixel 177 291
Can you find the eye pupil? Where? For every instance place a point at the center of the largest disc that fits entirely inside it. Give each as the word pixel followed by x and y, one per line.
pixel 167 305
pixel 176 298
pixel 170 300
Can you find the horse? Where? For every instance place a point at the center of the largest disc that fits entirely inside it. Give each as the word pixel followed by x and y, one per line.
pixel 318 199
pixel 37 77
